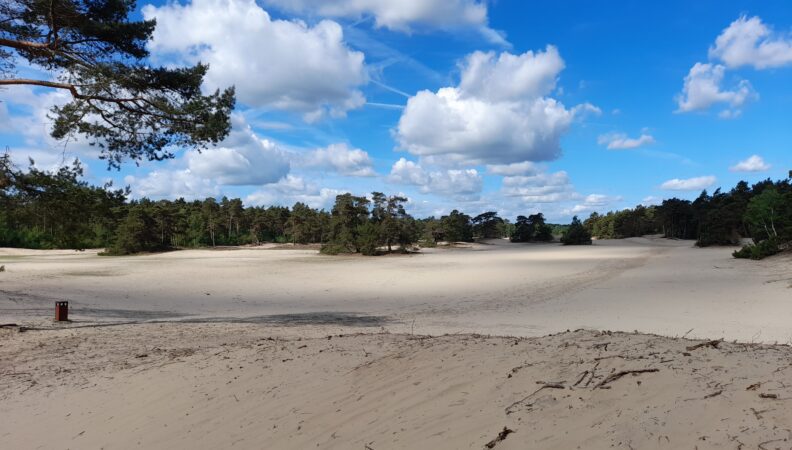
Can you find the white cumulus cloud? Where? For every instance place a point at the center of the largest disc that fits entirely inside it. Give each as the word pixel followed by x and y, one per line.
pixel 450 182
pixel 754 163
pixel 292 189
pixel 703 88
pixel 340 158
pixel 499 114
pixel 593 202
pixel 273 63
pixel 540 188
pixel 749 42
pixel 508 77
pixel 689 184
pixel 172 184
pixel 520 168
pixel 243 158
pixel 620 141
pixel 402 15
pixel 651 200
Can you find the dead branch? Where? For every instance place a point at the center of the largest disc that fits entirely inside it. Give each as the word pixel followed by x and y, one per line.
pixel 559 385
pixel 501 436
pixel 714 394
pixel 582 377
pixel 713 344
pixel 762 444
pixel 615 376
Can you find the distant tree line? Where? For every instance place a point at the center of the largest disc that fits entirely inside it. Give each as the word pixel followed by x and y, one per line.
pixel 55 210
pixel 532 228
pixel 45 210
pixel 40 209
pixel 762 212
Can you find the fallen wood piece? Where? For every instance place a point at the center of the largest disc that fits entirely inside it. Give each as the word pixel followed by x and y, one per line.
pixel 713 344
pixel 758 414
pixel 753 387
pixel 582 377
pixel 501 436
pixel 559 385
pixel 615 376
pixel 714 394
pixel 763 395
pixel 552 384
pixel 8 325
pixel 761 445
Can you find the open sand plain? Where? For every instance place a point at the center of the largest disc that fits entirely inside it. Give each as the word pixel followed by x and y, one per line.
pixel 284 348
pixel 651 285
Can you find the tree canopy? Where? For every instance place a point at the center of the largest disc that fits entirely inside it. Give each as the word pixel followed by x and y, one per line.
pixel 40 209
pixel 532 228
pixel 762 211
pixel 487 225
pixel 118 101
pixel 576 234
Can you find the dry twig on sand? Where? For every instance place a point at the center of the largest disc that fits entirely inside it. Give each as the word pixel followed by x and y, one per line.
pixel 501 436
pixel 615 376
pixel 713 344
pixel 714 394
pixel 545 385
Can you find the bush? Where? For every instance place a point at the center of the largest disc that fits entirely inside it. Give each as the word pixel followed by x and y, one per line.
pixel 743 253
pixel 427 243
pixel 368 239
pixel 332 249
pixel 758 251
pixel 544 233
pixel 576 234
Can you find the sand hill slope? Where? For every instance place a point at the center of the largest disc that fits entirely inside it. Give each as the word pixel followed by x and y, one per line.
pixel 247 386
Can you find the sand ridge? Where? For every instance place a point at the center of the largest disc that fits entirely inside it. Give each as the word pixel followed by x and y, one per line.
pixel 247 386
pixel 652 285
pixel 285 348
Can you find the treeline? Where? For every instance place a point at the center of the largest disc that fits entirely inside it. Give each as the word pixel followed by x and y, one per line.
pixel 56 210
pixel 762 212
pixel 45 210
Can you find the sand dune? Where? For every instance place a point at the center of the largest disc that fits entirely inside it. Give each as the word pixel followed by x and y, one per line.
pixel 273 348
pixel 652 285
pixel 247 386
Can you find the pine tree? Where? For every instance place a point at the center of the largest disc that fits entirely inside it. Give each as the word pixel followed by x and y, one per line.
pixel 119 102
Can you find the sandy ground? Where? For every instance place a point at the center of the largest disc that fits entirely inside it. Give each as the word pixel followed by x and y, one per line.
pixel 281 349
pixel 652 285
pixel 210 386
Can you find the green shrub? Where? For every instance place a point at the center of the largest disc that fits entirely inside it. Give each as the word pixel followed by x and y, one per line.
pixel 368 239
pixel 758 251
pixel 332 249
pixel 576 234
pixel 743 253
pixel 427 243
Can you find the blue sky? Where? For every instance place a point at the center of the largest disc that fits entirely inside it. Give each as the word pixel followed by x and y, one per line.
pixel 561 107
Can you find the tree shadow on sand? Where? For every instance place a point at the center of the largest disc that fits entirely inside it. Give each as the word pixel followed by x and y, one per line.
pixel 312 318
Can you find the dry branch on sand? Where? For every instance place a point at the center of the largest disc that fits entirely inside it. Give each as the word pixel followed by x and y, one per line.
pixel 501 436
pixel 615 376
pixel 713 344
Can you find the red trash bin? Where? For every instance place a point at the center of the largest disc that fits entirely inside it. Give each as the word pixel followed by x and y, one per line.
pixel 61 311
